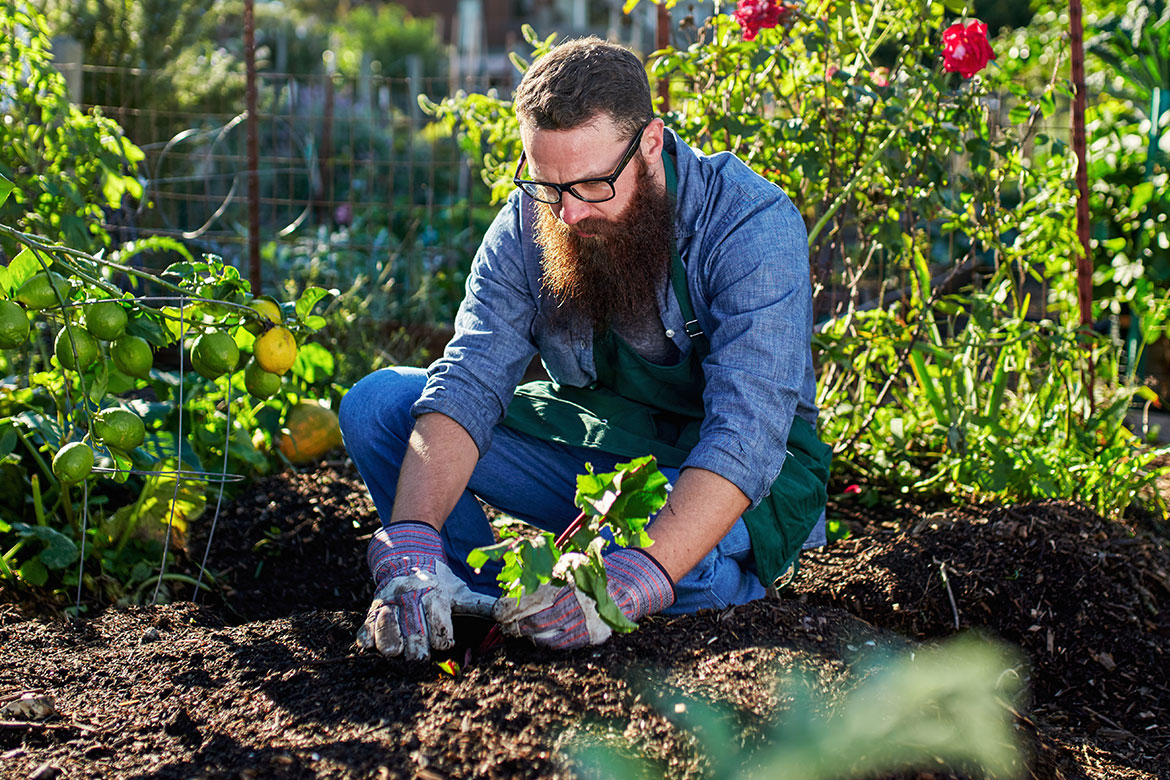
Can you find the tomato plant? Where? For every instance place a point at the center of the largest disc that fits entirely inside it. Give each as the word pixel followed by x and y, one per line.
pixel 105 454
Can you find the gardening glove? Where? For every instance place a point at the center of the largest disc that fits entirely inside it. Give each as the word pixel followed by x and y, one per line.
pixel 416 592
pixel 562 618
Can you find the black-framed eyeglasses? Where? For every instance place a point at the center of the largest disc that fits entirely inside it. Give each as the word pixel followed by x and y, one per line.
pixel 596 190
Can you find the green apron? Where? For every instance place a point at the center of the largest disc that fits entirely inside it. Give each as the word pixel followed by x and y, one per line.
pixel 637 408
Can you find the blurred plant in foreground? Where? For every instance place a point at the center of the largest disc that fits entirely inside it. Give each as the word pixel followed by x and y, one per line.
pixel 951 706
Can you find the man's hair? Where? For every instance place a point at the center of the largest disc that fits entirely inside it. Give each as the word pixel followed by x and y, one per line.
pixel 579 79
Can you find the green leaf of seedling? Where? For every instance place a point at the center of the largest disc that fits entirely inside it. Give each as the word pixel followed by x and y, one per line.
pixel 539 556
pixel 592 582
pixel 493 552
pixel 59 552
pixel 635 491
pixel 6 189
pixel 530 579
pixel 509 576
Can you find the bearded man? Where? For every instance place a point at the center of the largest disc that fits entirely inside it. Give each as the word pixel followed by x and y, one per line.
pixel 668 295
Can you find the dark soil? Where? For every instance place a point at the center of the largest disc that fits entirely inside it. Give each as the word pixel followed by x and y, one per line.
pixel 261 678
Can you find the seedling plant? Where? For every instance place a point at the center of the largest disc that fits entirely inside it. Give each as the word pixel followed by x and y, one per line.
pixel 615 508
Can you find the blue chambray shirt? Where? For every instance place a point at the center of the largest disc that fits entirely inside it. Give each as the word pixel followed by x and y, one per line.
pixel 746 254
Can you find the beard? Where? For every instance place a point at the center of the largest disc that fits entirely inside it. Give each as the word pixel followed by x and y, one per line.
pixel 615 274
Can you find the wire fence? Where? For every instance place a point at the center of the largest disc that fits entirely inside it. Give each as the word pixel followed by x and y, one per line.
pixel 349 162
pixel 336 154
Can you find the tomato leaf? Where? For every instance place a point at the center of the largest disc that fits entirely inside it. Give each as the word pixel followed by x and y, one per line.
pixel 6 188
pixel 309 298
pixel 59 552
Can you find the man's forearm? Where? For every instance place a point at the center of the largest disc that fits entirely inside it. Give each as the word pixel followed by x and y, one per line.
pixel 435 470
pixel 701 509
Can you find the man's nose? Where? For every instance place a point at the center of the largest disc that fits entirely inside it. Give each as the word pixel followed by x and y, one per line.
pixel 572 210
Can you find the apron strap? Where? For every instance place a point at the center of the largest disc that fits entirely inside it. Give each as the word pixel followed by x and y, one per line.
pixel 678 275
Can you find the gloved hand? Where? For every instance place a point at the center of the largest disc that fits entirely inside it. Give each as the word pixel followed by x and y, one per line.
pixel 563 618
pixel 416 592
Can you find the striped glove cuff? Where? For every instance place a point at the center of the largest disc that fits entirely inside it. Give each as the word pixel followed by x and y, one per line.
pixel 638 583
pixel 401 548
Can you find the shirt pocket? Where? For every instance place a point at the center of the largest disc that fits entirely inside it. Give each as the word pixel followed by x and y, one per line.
pixel 566 355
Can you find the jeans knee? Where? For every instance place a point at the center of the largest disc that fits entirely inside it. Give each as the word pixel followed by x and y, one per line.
pixel 380 402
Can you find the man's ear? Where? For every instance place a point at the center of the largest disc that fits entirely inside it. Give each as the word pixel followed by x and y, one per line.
pixel 652 139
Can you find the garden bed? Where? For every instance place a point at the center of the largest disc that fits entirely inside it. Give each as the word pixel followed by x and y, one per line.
pixel 262 680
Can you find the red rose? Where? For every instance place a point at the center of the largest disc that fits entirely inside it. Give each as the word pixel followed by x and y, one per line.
pixel 754 15
pixel 965 49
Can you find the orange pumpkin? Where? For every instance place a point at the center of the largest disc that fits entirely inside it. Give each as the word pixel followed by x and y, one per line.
pixel 310 430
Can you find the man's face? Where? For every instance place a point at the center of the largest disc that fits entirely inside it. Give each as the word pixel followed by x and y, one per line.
pixel 593 150
pixel 603 260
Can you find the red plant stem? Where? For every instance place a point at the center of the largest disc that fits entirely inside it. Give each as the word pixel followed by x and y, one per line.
pixel 493 637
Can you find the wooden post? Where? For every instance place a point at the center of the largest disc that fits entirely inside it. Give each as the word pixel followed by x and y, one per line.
pixel 661 41
pixel 253 151
pixel 1084 262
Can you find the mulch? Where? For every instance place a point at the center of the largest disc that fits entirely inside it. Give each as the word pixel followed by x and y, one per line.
pixel 260 678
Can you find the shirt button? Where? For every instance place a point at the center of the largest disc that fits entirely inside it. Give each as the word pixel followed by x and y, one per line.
pixel 669 333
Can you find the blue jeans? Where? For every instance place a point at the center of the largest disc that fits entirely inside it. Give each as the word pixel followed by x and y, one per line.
pixel 523 476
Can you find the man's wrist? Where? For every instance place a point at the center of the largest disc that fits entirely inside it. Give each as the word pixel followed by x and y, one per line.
pixel 394 523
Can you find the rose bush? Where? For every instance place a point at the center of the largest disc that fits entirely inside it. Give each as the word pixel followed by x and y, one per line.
pixel 756 15
pixel 966 50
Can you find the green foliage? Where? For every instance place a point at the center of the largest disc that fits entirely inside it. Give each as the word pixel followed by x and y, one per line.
pixel 304 37
pixel 387 35
pixel 1128 67
pixel 946 706
pixel 616 504
pixel 395 281
pixel 1133 49
pixel 66 165
pixel 171 45
pixel 983 402
pixel 485 125
pixel 1129 129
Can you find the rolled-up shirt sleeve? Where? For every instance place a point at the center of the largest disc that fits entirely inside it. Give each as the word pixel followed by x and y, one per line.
pixel 759 323
pixel 475 379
